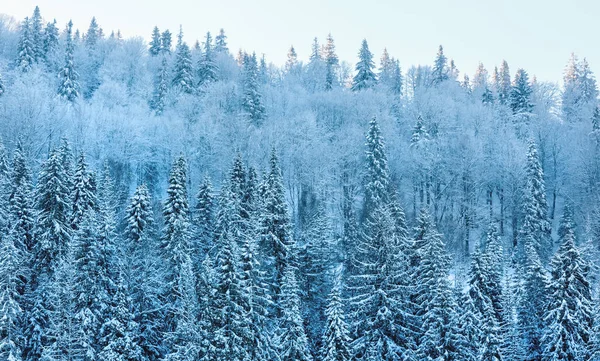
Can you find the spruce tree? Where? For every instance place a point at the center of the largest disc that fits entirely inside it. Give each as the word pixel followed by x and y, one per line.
pixel 291 64
pixel 504 84
pixel 21 213
pixel 331 62
pixel 293 343
pixel 183 74
pixel 252 103
pixel 440 71
pixel 336 334
pixel 376 181
pixel 203 216
pixel 276 239
pixel 93 34
pixel 365 78
pixel 221 42
pixel 155 43
pixel 536 225
pixel 68 88
pixel 37 35
pixel 161 87
pixel 520 93
pixel 83 193
pixel 207 68
pixel 26 53
pixel 50 41
pixel 165 42
pixel 569 316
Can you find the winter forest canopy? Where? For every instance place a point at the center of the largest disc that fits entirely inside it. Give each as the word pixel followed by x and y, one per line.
pixel 179 200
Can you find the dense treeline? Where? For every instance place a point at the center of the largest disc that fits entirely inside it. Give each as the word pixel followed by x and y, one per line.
pixel 471 233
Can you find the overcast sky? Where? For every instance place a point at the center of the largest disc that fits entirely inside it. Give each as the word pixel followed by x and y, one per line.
pixel 537 35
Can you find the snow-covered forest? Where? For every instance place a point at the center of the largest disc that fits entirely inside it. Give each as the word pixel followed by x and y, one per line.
pixel 178 200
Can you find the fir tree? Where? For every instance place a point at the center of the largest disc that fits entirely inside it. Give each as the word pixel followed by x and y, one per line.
pixel 336 334
pixel 331 62
pixel 21 213
pixel 50 41
pixel 469 329
pixel 221 42
pixel 183 77
pixel 293 342
pixel 504 84
pixel 440 71
pixel 37 35
pixel 365 78
pixel 275 229
pixel 93 34
pixel 207 68
pixel 203 215
pixel 569 316
pixel 161 88
pixel 68 77
pixel 165 42
pixel 26 53
pixel 84 197
pixel 376 180
pixel 536 224
pixel 520 94
pixel 251 97
pixel 155 43
pixel 291 64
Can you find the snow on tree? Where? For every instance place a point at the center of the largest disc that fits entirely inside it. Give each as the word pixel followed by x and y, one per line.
pixel 503 83
pixel 331 62
pixel 365 78
pixel 291 64
pixel 21 213
pixel 183 73
pixel 2 86
pixel 155 42
pixel 161 87
pixel 520 94
pixel 276 239
pixel 221 42
pixel 207 68
pixel 336 333
pixel 165 42
pixel 469 329
pixel 292 340
pixel 536 225
pixel 569 315
pixel 440 71
pixel 26 53
pixel 376 181
pixel 93 34
pixel 50 40
pixel 83 193
pixel 252 103
pixel 68 77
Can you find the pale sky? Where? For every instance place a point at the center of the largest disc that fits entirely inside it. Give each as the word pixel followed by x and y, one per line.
pixel 537 35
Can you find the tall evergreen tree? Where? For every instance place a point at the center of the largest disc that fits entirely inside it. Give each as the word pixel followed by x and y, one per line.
pixel 569 316
pixel 365 78
pixel 331 62
pixel 336 334
pixel 161 87
pixel 293 342
pixel 504 84
pixel 520 94
pixel 68 77
pixel 207 68
pixel 291 64
pixel 155 42
pixel 440 71
pixel 221 42
pixel 166 42
pixel 83 194
pixel 376 180
pixel 26 49
pixel 93 34
pixel 50 41
pixel 183 74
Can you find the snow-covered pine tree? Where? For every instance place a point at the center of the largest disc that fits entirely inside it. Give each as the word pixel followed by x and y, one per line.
pixel 37 35
pixel 569 315
pixel 21 213
pixel 291 64
pixel 93 34
pixel 365 78
pixel 221 42
pixel 207 68
pixel 252 103
pixel 165 42
pixel 381 316
pixel 183 73
pixel 503 83
pixel 145 283
pixel 276 239
pixel 83 193
pixel 520 94
pixel 469 330
pixel 26 50
pixel 68 77
pixel 292 340
pixel 203 216
pixel 331 63
pixel 336 333
pixel 50 39
pixel 536 225
pixel 532 303
pixel 161 87
pixel 440 71
pixel 433 296
pixel 376 181
pixel 155 42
